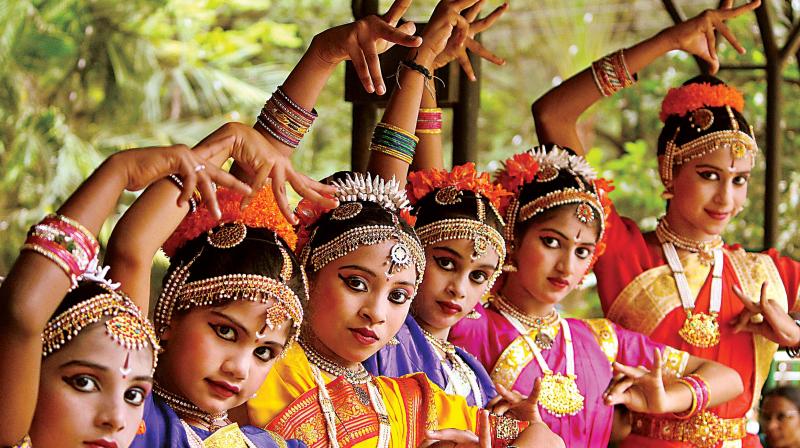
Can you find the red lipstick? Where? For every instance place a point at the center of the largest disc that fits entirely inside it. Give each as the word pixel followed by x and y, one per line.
pixel 364 335
pixel 449 308
pixel 222 389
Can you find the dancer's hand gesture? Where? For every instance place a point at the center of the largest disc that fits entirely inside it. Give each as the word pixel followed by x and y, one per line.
pixel 639 389
pixel 766 318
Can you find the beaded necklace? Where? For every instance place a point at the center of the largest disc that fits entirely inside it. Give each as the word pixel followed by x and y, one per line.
pixel 318 361
pixel 196 442
pixel 699 329
pixel 460 373
pixel 184 408
pixel 545 326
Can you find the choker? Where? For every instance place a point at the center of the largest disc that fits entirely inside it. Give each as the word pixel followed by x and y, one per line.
pixel 186 409
pixel 355 376
pixel 705 249
pixel 545 327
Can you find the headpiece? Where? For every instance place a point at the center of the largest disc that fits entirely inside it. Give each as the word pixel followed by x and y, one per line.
pixel 93 301
pixel 453 205
pixel 550 176
pixel 247 255
pixel 371 210
pixel 700 117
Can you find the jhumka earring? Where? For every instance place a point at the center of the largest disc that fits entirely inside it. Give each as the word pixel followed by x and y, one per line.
pixel 473 315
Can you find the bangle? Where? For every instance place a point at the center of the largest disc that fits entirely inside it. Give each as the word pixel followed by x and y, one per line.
pixel 429 121
pixel 394 141
pixel 611 74
pixel 179 183
pixel 703 392
pixel 794 352
pixel 685 415
pixel 65 242
pixel 284 119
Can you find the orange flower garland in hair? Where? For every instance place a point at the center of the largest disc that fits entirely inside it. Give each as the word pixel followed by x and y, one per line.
pixel 517 171
pixel 603 187
pixel 463 177
pixel 682 100
pixel 261 212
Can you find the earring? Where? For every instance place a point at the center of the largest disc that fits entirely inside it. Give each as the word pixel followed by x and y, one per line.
pixel 509 267
pixel 473 315
pixel 667 195
pixel 142 428
pixel 393 342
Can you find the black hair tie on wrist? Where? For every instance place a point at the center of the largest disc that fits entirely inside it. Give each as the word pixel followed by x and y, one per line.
pixel 419 68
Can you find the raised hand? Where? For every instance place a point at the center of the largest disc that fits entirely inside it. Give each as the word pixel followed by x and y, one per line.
pixel 456 47
pixel 445 23
pixel 766 318
pixel 504 400
pixel 142 166
pixel 696 35
pixel 363 40
pixel 527 409
pixel 456 438
pixel 260 160
pixel 639 389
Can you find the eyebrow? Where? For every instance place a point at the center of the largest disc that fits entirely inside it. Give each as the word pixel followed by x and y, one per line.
pixel 360 268
pixel 566 237
pixel 449 250
pixel 231 320
pixel 91 365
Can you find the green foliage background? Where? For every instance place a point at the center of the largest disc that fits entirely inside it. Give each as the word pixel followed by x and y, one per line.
pixel 83 78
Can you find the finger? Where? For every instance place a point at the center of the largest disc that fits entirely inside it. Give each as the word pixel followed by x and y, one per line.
pixel 400 35
pixel 374 64
pixel 460 5
pixel 741 321
pixel 477 48
pixel 362 69
pixel 727 4
pixel 208 193
pixel 279 191
pixel 225 179
pixel 312 190
pixel 496 399
pixel 189 176
pixel 210 148
pixel 396 11
pixel 726 32
pixel 485 434
pixel 619 389
pixel 502 408
pixel 711 41
pixel 466 65
pixel 726 14
pixel 534 398
pixel 748 304
pixel 258 181
pixel 628 371
pixel 489 20
pixel 658 363
pixel 452 435
pixel 472 12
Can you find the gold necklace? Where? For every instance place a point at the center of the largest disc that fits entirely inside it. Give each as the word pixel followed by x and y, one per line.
pixel 705 249
pixel 356 377
pixel 545 327
pixel 184 408
pixel 230 437
pixel 467 376
pixel 559 393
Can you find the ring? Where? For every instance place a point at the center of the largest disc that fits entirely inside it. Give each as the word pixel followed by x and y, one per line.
pixel 199 168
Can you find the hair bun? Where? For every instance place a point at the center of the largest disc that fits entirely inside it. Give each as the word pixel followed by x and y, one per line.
pixel 692 96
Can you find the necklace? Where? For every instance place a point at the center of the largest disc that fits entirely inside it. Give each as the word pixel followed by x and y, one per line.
pixel 545 327
pixel 355 377
pixel 318 361
pixel 184 408
pixel 559 394
pixel 460 373
pixel 699 329
pixel 196 442
pixel 705 249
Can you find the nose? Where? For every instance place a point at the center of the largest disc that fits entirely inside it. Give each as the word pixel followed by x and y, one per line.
pixel 374 308
pixel 724 196
pixel 567 263
pixel 237 364
pixel 457 287
pixel 111 415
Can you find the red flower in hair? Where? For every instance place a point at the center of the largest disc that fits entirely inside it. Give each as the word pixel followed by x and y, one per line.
pixel 463 177
pixel 682 100
pixel 518 170
pixel 261 212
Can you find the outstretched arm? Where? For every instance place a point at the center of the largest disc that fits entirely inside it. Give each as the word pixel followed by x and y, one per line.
pixel 36 285
pixel 556 113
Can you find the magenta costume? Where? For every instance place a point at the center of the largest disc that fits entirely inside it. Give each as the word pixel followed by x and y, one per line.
pixel 498 345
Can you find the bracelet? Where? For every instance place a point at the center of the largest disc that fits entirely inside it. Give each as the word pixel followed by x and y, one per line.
pixel 685 415
pixel 65 242
pixel 794 352
pixel 417 67
pixel 179 183
pixel 284 119
pixel 429 121
pixel 611 74
pixel 394 141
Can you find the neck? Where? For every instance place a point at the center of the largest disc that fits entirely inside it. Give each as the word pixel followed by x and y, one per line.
pixel 685 228
pixel 316 344
pixel 440 333
pixel 524 300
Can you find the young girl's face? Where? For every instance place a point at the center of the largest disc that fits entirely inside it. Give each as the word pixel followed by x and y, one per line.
pixel 709 191
pixel 555 253
pixel 91 393
pixel 356 307
pixel 217 357
pixel 454 282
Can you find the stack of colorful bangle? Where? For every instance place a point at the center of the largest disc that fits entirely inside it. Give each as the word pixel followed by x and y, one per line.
pixel 65 242
pixel 700 396
pixel 394 141
pixel 611 73
pixel 429 121
pixel 284 119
